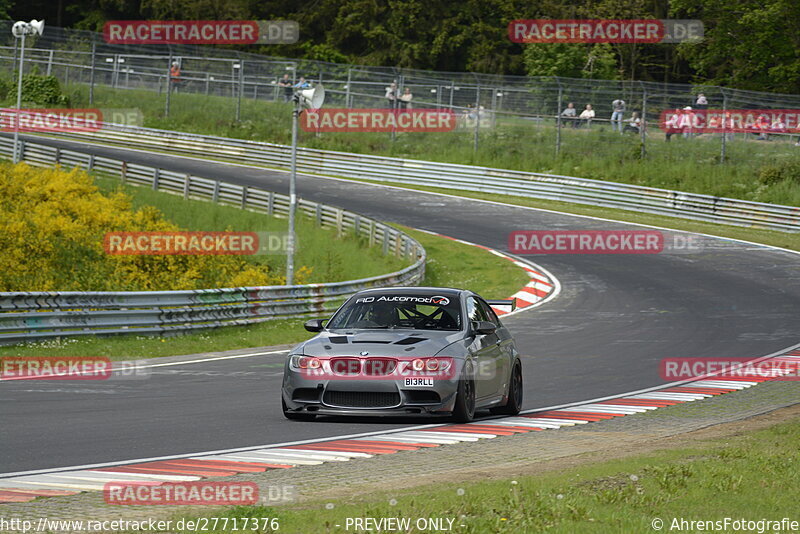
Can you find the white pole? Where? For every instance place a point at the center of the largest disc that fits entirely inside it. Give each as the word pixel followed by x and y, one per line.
pixel 17 155
pixel 292 198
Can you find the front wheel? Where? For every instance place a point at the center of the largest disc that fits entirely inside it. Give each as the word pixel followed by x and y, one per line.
pixel 464 410
pixel 293 416
pixel 514 403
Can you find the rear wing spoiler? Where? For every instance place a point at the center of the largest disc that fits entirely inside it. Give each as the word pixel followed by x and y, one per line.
pixel 504 303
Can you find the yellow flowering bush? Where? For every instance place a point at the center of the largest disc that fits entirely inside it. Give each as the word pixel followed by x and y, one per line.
pixel 52 225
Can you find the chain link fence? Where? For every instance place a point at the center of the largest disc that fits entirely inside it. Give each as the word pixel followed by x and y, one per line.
pixel 488 106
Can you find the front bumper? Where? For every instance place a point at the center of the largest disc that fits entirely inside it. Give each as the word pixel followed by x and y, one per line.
pixel 366 397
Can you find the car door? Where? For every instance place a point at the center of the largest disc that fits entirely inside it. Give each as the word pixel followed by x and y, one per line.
pixel 504 343
pixel 486 349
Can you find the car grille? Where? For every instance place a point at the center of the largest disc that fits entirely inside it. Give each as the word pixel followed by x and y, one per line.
pixel 345 366
pixel 362 399
pixel 350 366
pixel 379 366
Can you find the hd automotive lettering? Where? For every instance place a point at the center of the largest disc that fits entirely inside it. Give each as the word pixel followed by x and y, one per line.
pixel 437 300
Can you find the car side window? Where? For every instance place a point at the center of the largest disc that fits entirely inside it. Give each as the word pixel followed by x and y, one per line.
pixel 489 312
pixel 474 310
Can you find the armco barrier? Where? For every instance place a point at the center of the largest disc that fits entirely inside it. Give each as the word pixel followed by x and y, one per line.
pixel 465 177
pixel 31 316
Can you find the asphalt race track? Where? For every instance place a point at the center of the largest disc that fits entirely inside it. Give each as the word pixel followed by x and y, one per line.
pixel 615 319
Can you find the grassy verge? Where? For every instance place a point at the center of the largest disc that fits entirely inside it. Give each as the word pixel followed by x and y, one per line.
pixel 683 164
pixel 450 264
pixel 751 476
pixel 332 258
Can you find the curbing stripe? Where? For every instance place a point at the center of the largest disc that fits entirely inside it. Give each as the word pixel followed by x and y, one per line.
pixel 24 488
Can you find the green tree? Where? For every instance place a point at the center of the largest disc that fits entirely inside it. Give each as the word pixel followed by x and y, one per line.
pixel 5 9
pixel 749 44
pixel 425 34
pixel 573 60
pixel 196 9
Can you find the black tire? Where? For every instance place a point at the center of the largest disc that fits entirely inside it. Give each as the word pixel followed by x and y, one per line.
pixel 293 416
pixel 464 410
pixel 514 403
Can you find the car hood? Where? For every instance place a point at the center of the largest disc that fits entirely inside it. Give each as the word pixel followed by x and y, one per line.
pixel 395 343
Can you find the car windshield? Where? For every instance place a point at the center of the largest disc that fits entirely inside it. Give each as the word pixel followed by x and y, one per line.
pixel 423 312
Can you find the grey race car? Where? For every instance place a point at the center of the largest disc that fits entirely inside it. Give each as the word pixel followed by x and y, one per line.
pixel 405 351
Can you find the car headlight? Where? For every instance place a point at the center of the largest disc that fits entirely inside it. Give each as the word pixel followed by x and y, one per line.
pixel 430 364
pixel 298 362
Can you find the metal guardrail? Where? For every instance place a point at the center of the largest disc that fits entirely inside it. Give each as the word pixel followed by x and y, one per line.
pixel 465 177
pixel 32 316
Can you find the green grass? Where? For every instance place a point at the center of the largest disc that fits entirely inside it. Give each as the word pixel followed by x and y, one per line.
pixel 332 258
pixel 751 476
pixel 450 264
pixel 683 164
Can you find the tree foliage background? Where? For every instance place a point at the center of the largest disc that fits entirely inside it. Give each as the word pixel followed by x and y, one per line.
pixel 751 44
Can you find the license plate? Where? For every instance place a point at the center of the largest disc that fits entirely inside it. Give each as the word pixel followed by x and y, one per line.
pixel 418 382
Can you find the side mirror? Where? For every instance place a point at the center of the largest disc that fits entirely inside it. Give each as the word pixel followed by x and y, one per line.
pixel 314 325
pixel 484 327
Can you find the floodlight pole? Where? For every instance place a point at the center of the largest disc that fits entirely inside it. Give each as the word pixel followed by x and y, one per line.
pixel 290 242
pixel 17 154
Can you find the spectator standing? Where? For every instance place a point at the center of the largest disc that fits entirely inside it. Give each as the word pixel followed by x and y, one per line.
pixel 286 85
pixel 587 115
pixel 391 95
pixel 175 76
pixel 570 114
pixel 405 99
pixel 617 112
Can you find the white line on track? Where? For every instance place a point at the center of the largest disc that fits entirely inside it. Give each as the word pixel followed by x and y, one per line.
pixel 152 365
